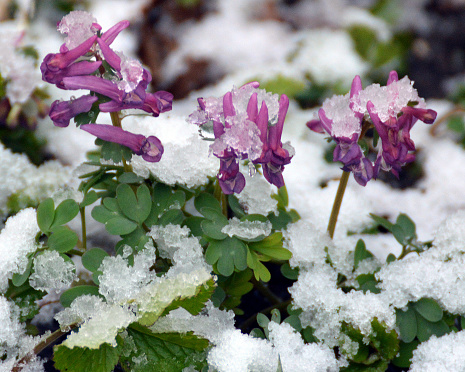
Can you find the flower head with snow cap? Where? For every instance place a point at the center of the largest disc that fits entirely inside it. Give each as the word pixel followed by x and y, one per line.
pixel 247 123
pixel 391 110
pixel 116 82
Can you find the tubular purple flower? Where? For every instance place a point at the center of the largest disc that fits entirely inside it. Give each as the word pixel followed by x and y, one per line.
pixel 110 56
pixel 62 112
pixel 149 148
pixel 230 179
pixel 110 35
pixel 55 62
pixel 94 84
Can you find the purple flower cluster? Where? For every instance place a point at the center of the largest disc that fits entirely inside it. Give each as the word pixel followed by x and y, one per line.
pixel 247 123
pixel 392 110
pixel 86 61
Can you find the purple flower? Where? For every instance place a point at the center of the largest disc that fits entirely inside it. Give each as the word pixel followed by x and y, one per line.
pixel 150 147
pixel 247 123
pixel 393 110
pixel 62 112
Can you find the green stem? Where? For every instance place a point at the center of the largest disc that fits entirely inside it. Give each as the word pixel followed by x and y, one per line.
pixel 265 291
pixel 248 322
pixel 53 337
pixel 82 211
pixel 337 203
pixel 221 197
pixel 116 121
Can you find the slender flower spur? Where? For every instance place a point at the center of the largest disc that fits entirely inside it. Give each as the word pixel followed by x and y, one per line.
pixel 116 82
pixel 392 110
pixel 247 124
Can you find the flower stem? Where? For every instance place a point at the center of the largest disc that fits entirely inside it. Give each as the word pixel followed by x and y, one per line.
pixel 337 203
pixel 82 211
pixel 116 121
pixel 221 197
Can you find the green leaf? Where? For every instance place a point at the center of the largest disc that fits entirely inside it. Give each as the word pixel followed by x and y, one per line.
pixel 263 320
pixel 260 271
pixel 114 152
pixel 382 221
pixel 62 239
pixel 426 328
pixel 235 206
pixel 367 282
pixel 294 322
pixel 361 253
pixel 407 323
pixel 280 221
pixel 288 272
pixel 26 298
pixel 205 200
pixel 229 253
pixel 405 354
pixel 102 214
pixel 429 309
pixel 399 234
pixel 129 177
pixel 364 39
pixel 385 342
pixel 65 212
pixel 167 352
pixel 173 216
pixel 120 226
pixel 212 229
pixel 77 359
pixel 93 258
pixel 20 279
pixel 90 198
pixel 194 225
pixel 137 209
pixel 45 215
pixel 196 303
pixel 407 225
pixel 272 246
pixel 68 296
pixel 390 258
pixel 355 336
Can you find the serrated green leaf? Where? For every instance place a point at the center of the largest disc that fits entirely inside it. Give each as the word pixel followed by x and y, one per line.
pixel 114 152
pixel 167 352
pixel 68 296
pixel 65 212
pixel 361 253
pixel 79 359
pixel 45 214
pixel 425 328
pixel 429 309
pixel 90 198
pixel 135 208
pixel 384 341
pixel 405 354
pixel 355 336
pixel 120 226
pixel 196 303
pixel 407 323
pixel 205 200
pixel 92 259
pixel 19 279
pixel 62 240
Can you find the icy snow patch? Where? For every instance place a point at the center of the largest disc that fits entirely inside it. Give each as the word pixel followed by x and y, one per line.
pixel 246 229
pixel 185 160
pixel 256 198
pixel 17 240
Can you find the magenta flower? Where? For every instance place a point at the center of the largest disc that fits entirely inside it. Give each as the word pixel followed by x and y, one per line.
pixel 393 110
pixel 62 112
pixel 150 147
pixel 247 123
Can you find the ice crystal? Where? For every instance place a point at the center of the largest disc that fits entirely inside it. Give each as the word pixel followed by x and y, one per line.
pixel 17 240
pixel 79 26
pixel 247 229
pixel 52 272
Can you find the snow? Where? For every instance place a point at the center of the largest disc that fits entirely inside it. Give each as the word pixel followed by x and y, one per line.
pixel 256 198
pixel 17 240
pixel 51 272
pixel 247 229
pixel 440 354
